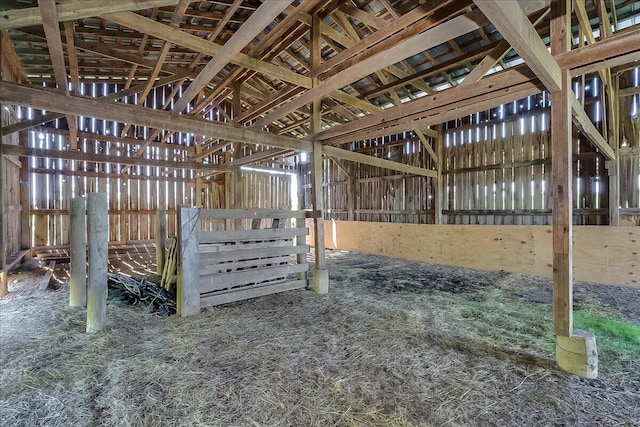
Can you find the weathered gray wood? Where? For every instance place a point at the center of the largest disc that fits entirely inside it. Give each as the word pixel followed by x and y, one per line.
pixel 243 264
pixel 47 277
pixel 248 235
pixel 78 253
pixel 250 213
pixel 221 281
pixel 161 240
pixel 231 295
pixel 3 248
pixel 301 243
pixel 264 246
pixel 241 253
pixel 320 273
pixel 97 233
pixel 188 295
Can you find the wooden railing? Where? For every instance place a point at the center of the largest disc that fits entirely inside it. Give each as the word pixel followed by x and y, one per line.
pixel 265 254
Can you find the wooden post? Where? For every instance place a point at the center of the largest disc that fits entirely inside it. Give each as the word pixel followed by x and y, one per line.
pixel 301 241
pixel 3 246
pixel 237 147
pixel 576 351
pixel 25 186
pixel 78 241
pixel 613 166
pixel 161 240
pixel 351 192
pixel 437 206
pixel 320 273
pixel 561 175
pixel 97 233
pixel 188 294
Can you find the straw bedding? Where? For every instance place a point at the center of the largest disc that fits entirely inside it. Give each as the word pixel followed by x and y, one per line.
pixel 394 343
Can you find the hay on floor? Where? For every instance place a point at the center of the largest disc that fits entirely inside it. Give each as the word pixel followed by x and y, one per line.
pixel 394 343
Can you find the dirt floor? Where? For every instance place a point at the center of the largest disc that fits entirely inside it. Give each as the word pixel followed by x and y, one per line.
pixel 394 343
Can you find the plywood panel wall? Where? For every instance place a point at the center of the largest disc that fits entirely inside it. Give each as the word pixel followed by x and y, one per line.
pixel 601 254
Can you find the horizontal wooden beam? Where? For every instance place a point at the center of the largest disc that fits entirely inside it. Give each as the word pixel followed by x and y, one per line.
pixel 48 100
pixel 376 161
pixel 70 11
pixel 18 150
pixel 455 27
pixel 619 49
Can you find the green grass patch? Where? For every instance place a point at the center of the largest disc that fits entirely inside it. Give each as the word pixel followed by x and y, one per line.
pixel 618 341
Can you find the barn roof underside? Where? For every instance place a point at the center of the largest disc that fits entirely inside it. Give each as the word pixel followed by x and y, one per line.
pixel 383 66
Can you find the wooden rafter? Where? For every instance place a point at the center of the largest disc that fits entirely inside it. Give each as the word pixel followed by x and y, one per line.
pixel 266 13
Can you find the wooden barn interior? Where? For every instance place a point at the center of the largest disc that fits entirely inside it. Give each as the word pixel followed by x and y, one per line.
pixel 498 135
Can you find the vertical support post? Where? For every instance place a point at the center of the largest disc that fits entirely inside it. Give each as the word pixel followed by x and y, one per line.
pixel 237 146
pixel 613 166
pixel 351 192
pixel 78 240
pixel 227 189
pixel 161 240
pixel 97 230
pixel 576 350
pixel 320 273
pixel 198 184
pixel 561 173
pixel 439 184
pixel 3 246
pixel 188 291
pixel 25 190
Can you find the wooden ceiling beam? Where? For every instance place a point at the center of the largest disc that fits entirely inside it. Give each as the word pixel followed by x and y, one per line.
pixel 47 10
pixel 364 17
pixel 456 27
pixel 228 14
pixel 509 18
pixel 70 11
pixel 52 101
pixel 253 26
pixel 480 90
pixel 45 118
pixel 197 44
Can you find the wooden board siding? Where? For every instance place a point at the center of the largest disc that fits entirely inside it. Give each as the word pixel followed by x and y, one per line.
pixel 602 254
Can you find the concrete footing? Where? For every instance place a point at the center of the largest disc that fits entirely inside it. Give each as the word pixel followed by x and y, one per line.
pixel 321 281
pixel 578 354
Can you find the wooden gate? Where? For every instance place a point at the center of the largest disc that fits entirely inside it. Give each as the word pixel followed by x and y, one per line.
pixel 265 253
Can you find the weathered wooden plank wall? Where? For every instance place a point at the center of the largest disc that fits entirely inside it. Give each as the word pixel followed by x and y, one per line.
pixel 135 193
pixel 11 166
pixel 377 194
pixel 495 167
pixel 498 173
pixel 630 150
